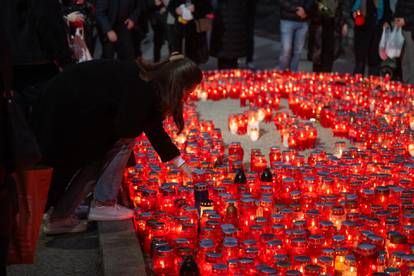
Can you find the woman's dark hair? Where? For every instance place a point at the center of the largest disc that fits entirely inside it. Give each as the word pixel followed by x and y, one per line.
pixel 172 78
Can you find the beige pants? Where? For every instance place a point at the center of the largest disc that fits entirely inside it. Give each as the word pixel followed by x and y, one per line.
pixel 407 61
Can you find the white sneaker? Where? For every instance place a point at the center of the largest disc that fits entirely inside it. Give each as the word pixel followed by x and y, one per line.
pixel 67 225
pixel 108 213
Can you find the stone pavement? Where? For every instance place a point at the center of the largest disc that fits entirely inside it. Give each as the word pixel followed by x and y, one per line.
pixel 267 49
pixel 65 255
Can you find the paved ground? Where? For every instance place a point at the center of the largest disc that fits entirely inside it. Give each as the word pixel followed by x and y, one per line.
pixel 219 112
pixel 65 255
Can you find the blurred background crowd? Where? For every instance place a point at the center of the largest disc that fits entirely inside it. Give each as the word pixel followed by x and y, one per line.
pixel 56 33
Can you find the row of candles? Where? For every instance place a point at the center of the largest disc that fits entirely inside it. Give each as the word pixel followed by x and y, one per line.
pixel 350 212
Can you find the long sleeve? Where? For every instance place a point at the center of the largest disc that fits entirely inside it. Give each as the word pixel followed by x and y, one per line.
pixel 403 11
pixel 172 5
pixel 308 6
pixel 160 140
pixel 51 31
pixel 102 19
pixel 345 12
pixel 139 8
pixel 287 5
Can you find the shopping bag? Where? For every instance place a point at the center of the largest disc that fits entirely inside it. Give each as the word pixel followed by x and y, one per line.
pixel 80 50
pixel 395 43
pixel 386 32
pixel 33 187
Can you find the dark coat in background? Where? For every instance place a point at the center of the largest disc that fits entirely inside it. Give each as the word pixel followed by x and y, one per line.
pixel 325 35
pixel 405 9
pixel 288 9
pixel 35 31
pixel 229 35
pixel 38 42
pixel 196 46
pixel 87 108
pixel 110 12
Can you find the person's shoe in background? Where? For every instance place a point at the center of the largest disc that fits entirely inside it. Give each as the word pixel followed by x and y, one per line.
pixel 64 226
pixel 102 212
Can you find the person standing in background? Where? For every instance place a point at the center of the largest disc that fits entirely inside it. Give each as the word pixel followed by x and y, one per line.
pixel 251 18
pixel 229 35
pixel 157 12
pixel 87 9
pixel 189 37
pixel 367 36
pixel 294 24
pixel 404 18
pixel 328 25
pixel 38 42
pixel 116 19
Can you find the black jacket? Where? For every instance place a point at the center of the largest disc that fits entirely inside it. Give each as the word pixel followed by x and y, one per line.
pixel 229 34
pixel 35 31
pixel 405 9
pixel 91 105
pixel 111 12
pixel 288 9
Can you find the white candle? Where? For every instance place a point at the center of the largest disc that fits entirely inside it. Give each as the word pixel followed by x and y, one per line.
pixel 254 134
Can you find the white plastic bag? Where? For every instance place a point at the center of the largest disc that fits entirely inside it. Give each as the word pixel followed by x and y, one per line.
pixel 395 43
pixel 79 48
pixel 186 13
pixel 386 32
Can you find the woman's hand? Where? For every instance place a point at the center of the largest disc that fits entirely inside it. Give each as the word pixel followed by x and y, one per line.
pixel 112 36
pixel 300 11
pixel 400 22
pixel 187 170
pixel 191 8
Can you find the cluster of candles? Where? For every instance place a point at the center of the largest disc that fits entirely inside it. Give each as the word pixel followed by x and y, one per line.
pixel 295 134
pixel 350 212
pixel 248 122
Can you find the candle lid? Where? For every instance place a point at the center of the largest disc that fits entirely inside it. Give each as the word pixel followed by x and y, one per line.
pixel 163 250
pixel 341 251
pixel 212 257
pixel 299 224
pixel 283 264
pixel 267 237
pixel 200 187
pixel 328 252
pixel 302 259
pixel 325 259
pixel 382 190
pixel 184 251
pixel 245 261
pixel 274 243
pixel 298 242
pixel 256 227
pixel 206 243
pixel 338 238
pixel 293 273
pixel 392 271
pixel 266 270
pixel 252 250
pixel 316 239
pixel 366 249
pixel 397 238
pixel 313 268
pixel 233 262
pixel 408 259
pixel 220 267
pixel 249 242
